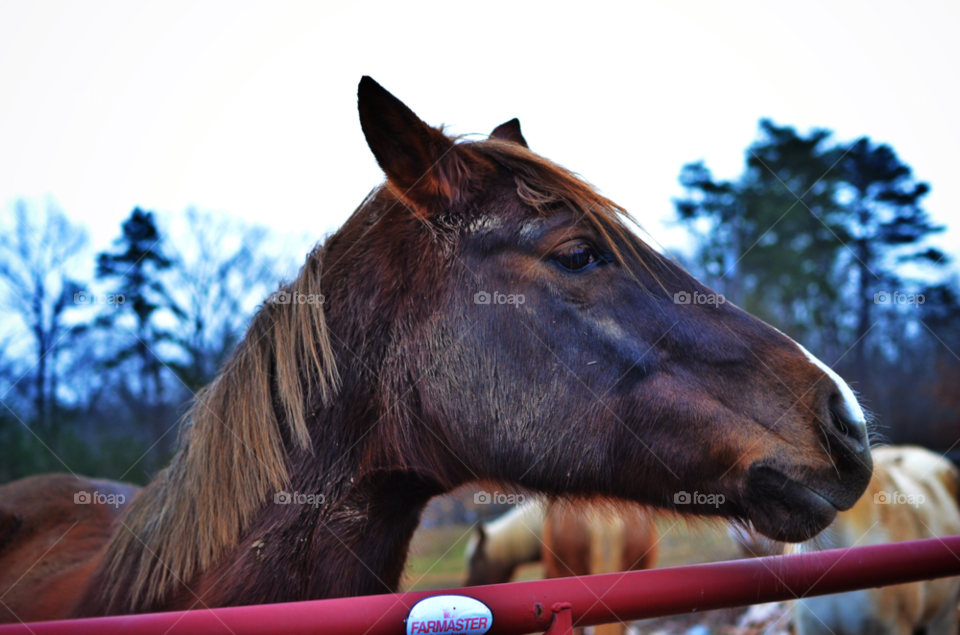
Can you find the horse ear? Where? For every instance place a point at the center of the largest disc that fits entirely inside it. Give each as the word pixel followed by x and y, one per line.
pixel 421 163
pixel 510 131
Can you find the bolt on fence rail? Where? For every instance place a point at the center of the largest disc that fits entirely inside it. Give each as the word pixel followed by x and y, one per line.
pixel 525 607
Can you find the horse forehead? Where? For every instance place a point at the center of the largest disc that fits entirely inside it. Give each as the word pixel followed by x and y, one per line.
pixel 531 227
pixel 484 224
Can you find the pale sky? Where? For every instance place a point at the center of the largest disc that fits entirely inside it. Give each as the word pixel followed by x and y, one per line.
pixel 250 108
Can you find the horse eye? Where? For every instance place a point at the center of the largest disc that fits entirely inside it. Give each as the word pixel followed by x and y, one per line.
pixel 577 257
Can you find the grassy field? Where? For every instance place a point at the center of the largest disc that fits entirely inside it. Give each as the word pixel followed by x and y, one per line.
pixel 437 555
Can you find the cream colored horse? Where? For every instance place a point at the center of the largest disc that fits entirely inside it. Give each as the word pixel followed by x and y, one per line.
pixel 500 546
pixel 913 495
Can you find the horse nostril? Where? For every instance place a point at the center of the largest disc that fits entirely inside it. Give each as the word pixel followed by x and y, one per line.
pixel 850 429
pixel 839 423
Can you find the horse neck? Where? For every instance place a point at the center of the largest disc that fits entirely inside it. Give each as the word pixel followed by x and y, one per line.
pixel 348 451
pixel 355 544
pixel 374 477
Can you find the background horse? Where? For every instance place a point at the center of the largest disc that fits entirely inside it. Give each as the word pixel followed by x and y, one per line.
pixel 584 538
pixel 497 548
pixel 392 370
pixel 913 495
pixel 571 539
pixel 54 541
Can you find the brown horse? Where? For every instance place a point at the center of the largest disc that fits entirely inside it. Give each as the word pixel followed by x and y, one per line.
pixel 569 539
pixel 586 539
pixel 49 548
pixel 447 333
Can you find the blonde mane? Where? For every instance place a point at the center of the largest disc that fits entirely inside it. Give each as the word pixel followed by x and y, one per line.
pixel 231 456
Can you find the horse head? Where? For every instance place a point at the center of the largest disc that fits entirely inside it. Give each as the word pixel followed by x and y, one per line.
pixel 554 350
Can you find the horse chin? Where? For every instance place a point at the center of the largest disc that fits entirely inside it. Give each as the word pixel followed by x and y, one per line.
pixel 784 509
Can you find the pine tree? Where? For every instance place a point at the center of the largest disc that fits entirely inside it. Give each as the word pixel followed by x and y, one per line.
pixel 883 217
pixel 769 240
pixel 135 269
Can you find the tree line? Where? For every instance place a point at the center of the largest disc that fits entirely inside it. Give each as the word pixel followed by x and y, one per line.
pixel 95 373
pixel 830 243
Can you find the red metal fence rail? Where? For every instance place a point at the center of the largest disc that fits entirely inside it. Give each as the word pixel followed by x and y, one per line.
pixel 525 607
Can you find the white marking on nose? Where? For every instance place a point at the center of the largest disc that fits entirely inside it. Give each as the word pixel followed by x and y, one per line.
pixel 854 411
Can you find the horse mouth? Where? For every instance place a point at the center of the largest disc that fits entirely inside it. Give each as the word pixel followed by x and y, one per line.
pixel 785 509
